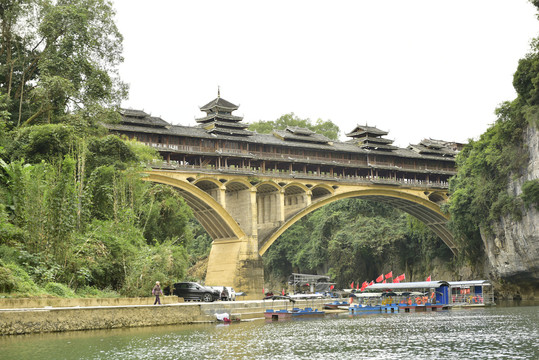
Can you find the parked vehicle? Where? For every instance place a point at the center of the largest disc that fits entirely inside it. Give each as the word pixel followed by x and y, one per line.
pixel 194 291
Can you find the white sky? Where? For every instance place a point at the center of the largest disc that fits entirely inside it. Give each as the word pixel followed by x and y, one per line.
pixel 416 68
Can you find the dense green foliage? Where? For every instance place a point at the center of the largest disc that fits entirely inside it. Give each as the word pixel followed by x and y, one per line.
pixel 75 215
pixel 326 128
pixel 354 239
pixel 479 192
pixel 62 222
pixel 58 61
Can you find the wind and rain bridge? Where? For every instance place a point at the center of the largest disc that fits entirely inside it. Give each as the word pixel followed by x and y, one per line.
pixel 247 188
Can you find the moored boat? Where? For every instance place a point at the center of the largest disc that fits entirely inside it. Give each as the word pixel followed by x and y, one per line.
pixel 295 312
pixel 334 305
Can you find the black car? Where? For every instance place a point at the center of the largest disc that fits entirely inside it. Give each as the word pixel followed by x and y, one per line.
pixel 193 291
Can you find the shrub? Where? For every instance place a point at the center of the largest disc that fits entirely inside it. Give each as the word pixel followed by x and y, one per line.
pixel 58 289
pixel 530 193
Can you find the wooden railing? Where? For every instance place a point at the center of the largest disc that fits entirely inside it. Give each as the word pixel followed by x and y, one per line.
pixel 299 174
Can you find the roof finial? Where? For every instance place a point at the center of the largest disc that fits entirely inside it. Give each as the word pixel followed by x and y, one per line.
pixel 218 91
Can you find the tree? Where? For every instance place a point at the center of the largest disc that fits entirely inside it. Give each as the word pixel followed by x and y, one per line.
pixel 326 128
pixel 60 60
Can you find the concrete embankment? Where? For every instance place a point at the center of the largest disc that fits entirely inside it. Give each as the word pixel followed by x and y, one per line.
pixel 90 314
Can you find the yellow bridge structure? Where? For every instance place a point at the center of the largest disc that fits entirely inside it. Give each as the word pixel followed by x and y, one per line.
pixel 244 214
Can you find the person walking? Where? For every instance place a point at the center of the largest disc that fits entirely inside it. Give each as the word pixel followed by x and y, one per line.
pixel 157 291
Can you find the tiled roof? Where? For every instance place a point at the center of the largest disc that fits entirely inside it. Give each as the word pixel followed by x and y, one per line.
pixel 432 151
pixel 294 141
pixel 313 137
pixel 219 116
pixel 212 124
pixel 230 131
pixel 364 129
pixel 139 117
pixel 219 102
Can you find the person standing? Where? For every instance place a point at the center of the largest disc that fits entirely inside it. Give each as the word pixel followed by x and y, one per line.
pixel 157 292
pixel 224 294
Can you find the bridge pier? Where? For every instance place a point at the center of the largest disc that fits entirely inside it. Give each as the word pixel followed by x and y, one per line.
pixel 236 262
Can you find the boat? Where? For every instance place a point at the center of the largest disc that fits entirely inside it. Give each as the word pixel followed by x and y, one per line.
pixel 283 314
pixel 471 293
pixel 335 305
pixel 416 296
pixel 371 303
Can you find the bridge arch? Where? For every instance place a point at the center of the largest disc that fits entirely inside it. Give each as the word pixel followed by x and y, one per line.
pixel 267 186
pixel 237 184
pixel 212 216
pixel 288 187
pixel 321 190
pixel 417 206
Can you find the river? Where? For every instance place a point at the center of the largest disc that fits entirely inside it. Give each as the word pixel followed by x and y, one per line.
pixel 495 333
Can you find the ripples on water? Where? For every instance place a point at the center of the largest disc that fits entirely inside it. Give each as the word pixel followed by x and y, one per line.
pixel 495 333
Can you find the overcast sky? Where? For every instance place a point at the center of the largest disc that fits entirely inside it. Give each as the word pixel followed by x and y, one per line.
pixel 416 68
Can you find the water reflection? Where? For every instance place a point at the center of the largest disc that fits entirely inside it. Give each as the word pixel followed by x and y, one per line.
pixel 479 333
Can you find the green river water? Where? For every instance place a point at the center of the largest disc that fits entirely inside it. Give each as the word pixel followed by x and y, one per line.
pixel 501 332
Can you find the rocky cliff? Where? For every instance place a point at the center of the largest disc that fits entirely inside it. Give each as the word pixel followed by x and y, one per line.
pixel 513 248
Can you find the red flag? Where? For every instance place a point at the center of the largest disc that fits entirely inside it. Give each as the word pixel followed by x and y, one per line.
pixel 331 287
pixel 428 279
pixel 383 282
pixel 389 275
pixel 352 285
pixel 380 278
pixel 282 292
pixel 402 277
pixel 357 286
pixel 371 283
pixel 263 291
pixel 364 285
pixel 396 280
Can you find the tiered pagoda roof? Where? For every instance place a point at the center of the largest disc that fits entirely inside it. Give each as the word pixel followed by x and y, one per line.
pixel 296 133
pixel 369 137
pixel 219 118
pixel 433 147
pixel 140 118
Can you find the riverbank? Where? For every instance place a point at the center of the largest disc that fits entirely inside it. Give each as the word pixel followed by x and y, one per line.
pixel 122 313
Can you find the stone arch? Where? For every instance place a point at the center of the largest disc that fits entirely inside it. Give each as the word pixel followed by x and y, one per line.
pixel 419 207
pixel 212 216
pixel 321 191
pixel 266 186
pixel 237 185
pixel 296 197
pixel 210 186
pixel 268 201
pixel 296 185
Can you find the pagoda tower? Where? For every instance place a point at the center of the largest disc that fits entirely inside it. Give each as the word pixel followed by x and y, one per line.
pixel 220 120
pixel 369 137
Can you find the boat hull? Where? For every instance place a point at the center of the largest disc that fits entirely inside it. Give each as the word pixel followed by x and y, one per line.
pixel 289 314
pixel 422 308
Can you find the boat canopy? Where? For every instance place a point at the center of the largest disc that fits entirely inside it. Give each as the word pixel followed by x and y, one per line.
pixel 469 283
pixel 408 285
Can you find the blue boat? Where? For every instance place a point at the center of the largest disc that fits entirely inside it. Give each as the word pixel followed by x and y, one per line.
pixel 358 308
pixel 283 314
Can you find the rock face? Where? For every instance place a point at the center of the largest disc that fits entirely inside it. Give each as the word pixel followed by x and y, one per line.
pixel 513 249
